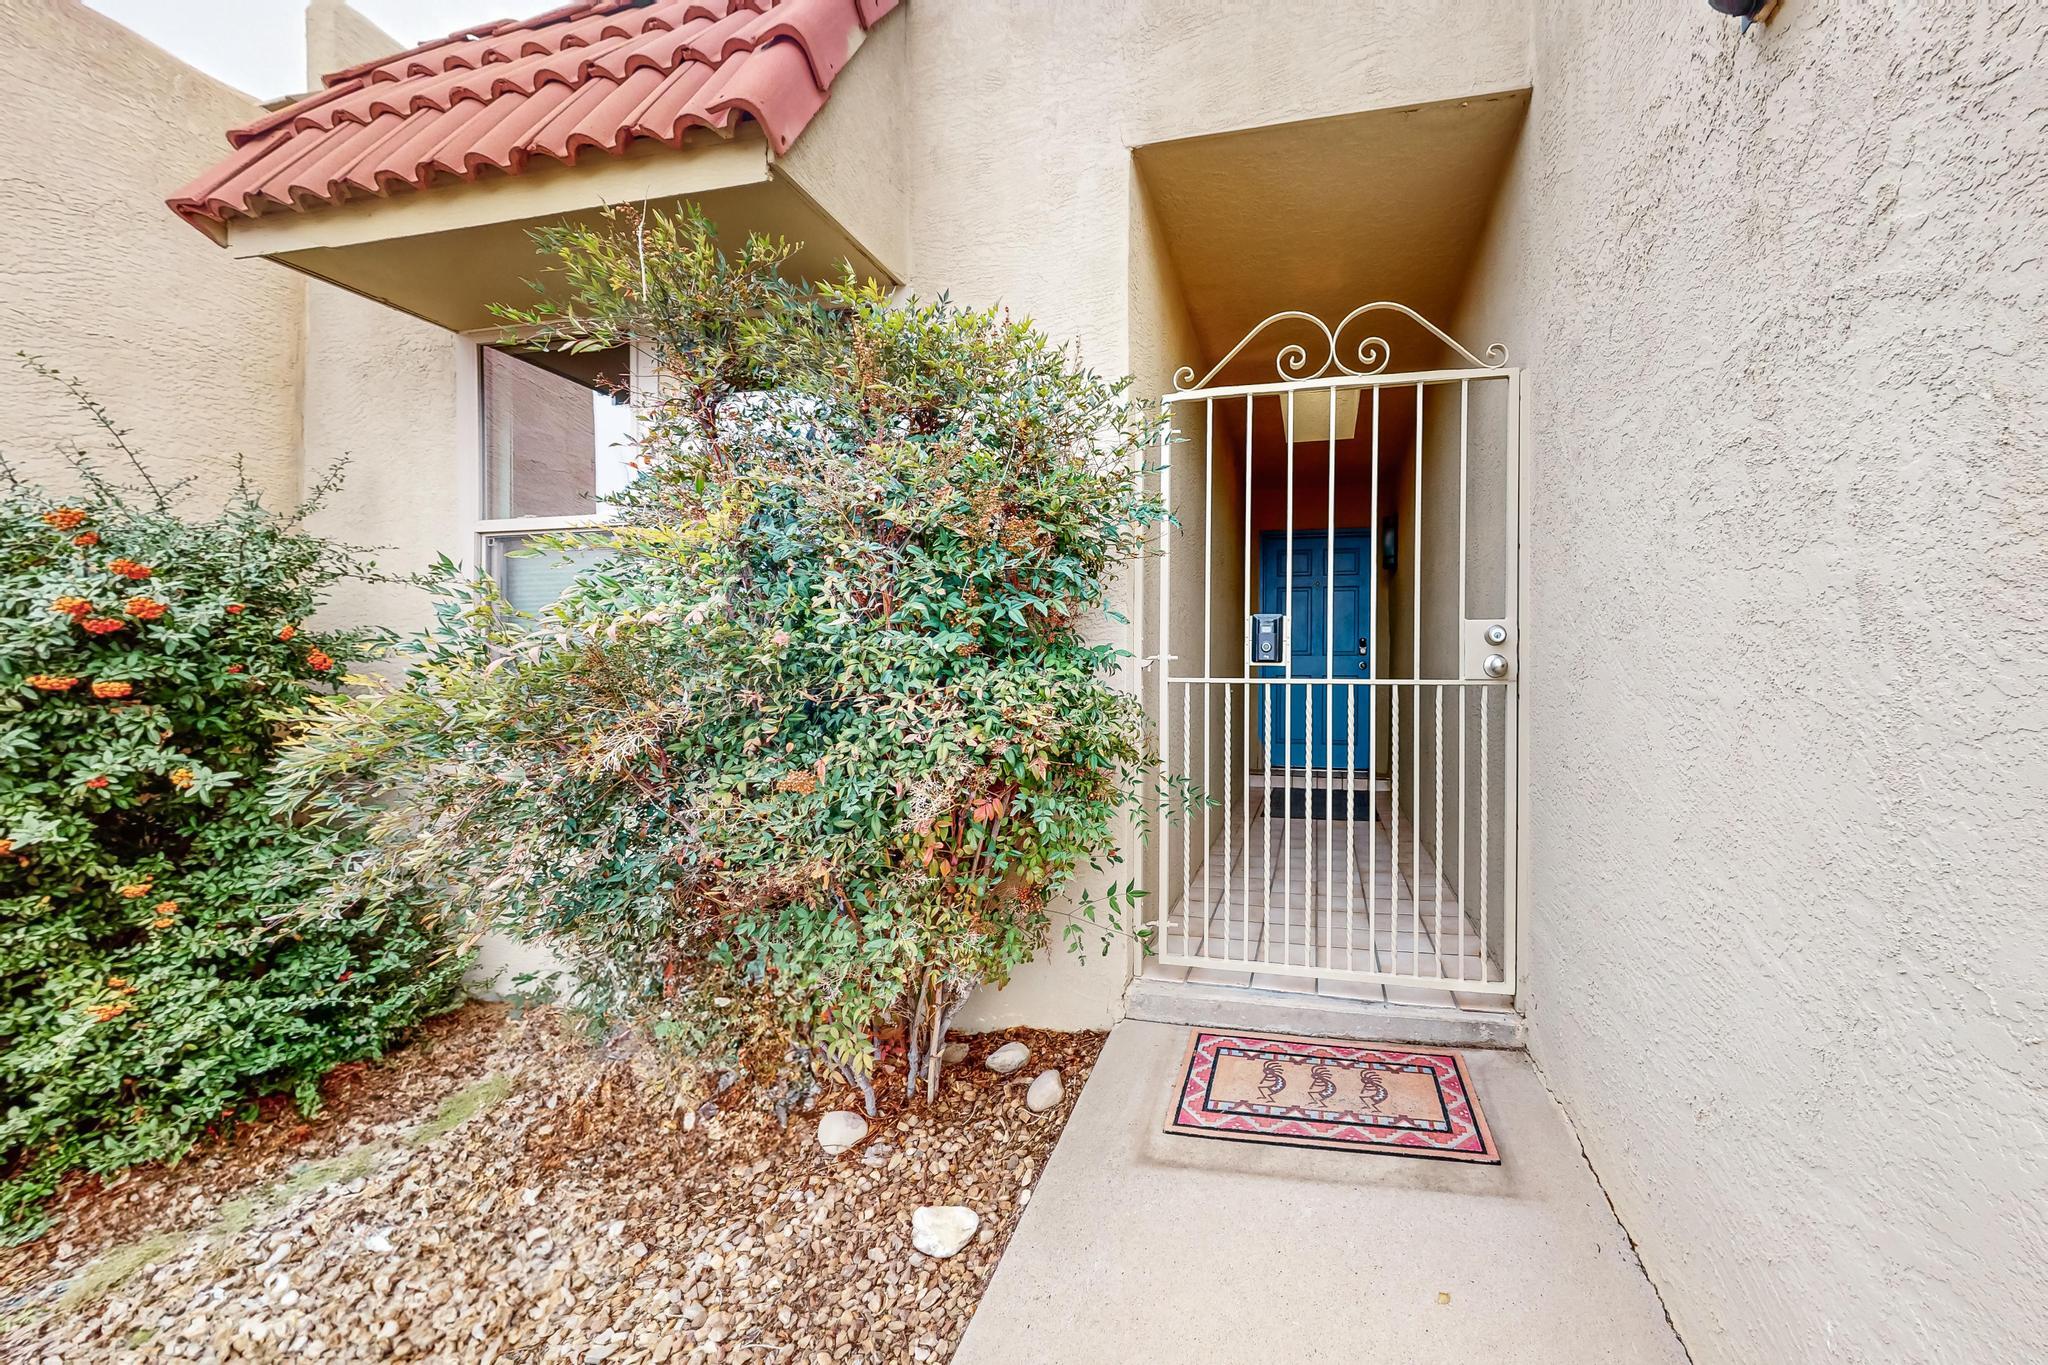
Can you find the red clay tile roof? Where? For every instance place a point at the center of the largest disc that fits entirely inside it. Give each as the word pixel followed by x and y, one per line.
pixel 601 73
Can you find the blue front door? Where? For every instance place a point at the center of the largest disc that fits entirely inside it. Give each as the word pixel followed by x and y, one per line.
pixel 1329 618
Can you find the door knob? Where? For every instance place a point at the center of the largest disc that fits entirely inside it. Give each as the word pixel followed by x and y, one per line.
pixel 1496 666
pixel 1496 635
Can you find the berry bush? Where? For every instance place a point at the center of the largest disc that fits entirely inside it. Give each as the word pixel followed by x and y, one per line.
pixel 152 981
pixel 823 743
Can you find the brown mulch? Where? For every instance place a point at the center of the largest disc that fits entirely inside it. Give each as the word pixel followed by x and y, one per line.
pixel 582 1213
pixel 360 1102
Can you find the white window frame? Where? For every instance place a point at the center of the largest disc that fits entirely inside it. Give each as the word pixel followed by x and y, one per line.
pixel 485 532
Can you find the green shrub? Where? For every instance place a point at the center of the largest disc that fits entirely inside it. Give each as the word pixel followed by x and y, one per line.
pixel 146 992
pixel 819 746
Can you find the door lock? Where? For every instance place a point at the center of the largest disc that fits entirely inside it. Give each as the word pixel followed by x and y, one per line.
pixel 1489 649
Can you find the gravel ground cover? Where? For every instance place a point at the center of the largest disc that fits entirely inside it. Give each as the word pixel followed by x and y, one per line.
pixel 501 1192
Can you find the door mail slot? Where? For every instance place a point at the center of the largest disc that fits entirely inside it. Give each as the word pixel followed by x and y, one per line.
pixel 1269 638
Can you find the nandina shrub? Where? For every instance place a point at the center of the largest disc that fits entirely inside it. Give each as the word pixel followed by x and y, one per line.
pixel 152 982
pixel 822 744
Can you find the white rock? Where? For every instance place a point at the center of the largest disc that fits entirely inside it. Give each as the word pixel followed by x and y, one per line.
pixel 941 1230
pixel 1045 1093
pixel 952 1054
pixel 1009 1057
pixel 841 1131
pixel 378 1243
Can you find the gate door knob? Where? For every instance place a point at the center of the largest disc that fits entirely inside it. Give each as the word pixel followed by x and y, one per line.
pixel 1495 666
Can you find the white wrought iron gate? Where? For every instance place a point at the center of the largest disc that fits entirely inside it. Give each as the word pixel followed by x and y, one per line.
pixel 1336 665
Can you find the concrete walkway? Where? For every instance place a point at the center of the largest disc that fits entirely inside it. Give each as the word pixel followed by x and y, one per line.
pixel 1140 1245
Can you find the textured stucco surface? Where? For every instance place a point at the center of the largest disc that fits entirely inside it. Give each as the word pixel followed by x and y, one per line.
pixel 1782 304
pixel 1021 122
pixel 1781 301
pixel 195 353
pixel 382 392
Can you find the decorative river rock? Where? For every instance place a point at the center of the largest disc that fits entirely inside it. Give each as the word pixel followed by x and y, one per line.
pixel 1009 1057
pixel 941 1230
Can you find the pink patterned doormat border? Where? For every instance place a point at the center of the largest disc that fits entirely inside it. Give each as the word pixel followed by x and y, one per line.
pixel 1311 1092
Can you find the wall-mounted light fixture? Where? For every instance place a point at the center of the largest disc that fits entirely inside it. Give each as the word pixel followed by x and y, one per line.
pixel 1748 11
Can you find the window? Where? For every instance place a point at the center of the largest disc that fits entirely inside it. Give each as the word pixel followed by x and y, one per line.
pixel 557 436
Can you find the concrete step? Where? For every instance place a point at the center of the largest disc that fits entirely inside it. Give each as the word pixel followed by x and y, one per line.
pixel 1321 1016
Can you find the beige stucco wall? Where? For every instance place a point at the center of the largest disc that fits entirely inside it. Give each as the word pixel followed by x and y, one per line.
pixel 1021 123
pixel 397 398
pixel 1782 305
pixel 851 160
pixel 383 391
pixel 197 355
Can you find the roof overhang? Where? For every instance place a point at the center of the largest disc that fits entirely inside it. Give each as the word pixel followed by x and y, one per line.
pixel 418 180
pixel 448 256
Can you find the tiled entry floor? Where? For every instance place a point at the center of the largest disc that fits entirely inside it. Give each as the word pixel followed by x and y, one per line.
pixel 1293 896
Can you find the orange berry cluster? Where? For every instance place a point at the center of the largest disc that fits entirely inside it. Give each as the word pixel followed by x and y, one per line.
pixel 74 607
pixel 287 632
pixel 52 682
pixel 134 891
pixel 181 778
pixel 320 660
pixel 128 568
pixel 103 1013
pixel 236 608
pixel 102 625
pixel 109 691
pixel 147 608
pixel 86 541
pixel 65 518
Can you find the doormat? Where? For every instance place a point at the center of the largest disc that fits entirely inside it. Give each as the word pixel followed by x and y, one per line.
pixel 1310 1092
pixel 1299 803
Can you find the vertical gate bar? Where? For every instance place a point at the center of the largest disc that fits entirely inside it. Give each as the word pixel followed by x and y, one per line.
pixel 1516 768
pixel 1464 832
pixel 1208 671
pixel 1394 835
pixel 1372 707
pixel 1329 687
pixel 1350 803
pixel 1266 823
pixel 1250 566
pixel 1415 700
pixel 1485 807
pixel 1155 913
pixel 1229 868
pixel 1464 611
pixel 1287 691
pixel 1187 841
pixel 1165 659
pixel 1308 798
pixel 1438 935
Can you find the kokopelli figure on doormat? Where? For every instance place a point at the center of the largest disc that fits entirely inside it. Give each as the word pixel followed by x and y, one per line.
pixel 1372 1092
pixel 1321 1085
pixel 1272 1079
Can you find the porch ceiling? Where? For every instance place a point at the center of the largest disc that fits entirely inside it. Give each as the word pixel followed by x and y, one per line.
pixel 1323 215
pixel 449 261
